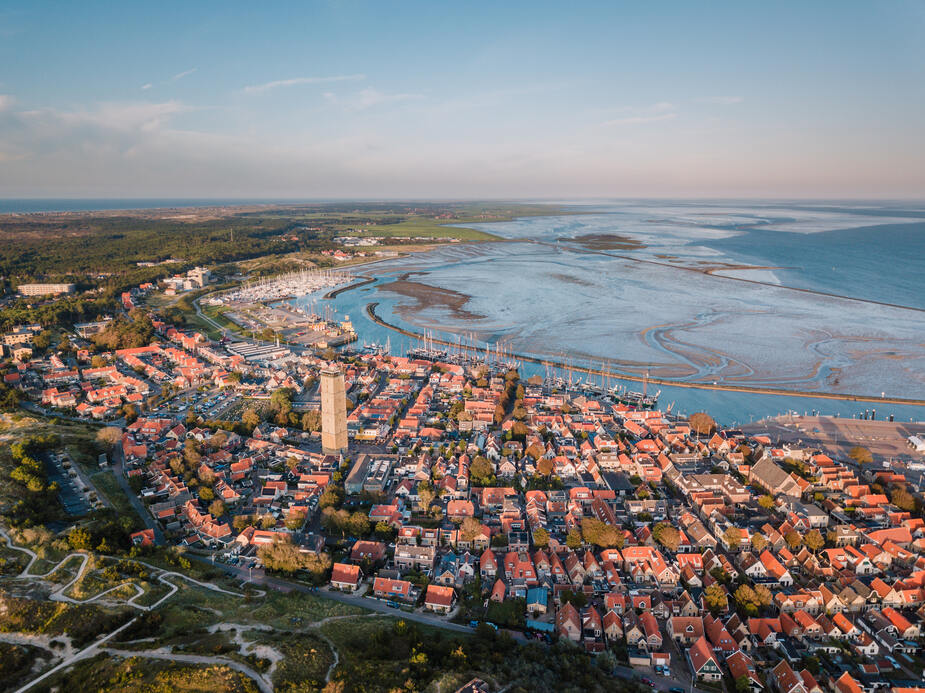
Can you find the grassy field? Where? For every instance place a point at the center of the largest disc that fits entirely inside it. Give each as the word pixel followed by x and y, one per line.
pixel 107 484
pixel 420 227
pixel 82 622
pixel 114 675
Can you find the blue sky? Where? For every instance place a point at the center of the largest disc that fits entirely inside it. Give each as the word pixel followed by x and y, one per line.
pixel 455 100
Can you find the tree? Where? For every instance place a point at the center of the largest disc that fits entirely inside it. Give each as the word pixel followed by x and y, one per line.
pixel 109 436
pixel 743 684
pixel 861 455
pixel 601 534
pixel 763 595
pixel 540 538
pixel 902 499
pixel 216 508
pixel 384 531
pixel 358 524
pixel 814 540
pixel 206 493
pixel 766 502
pixel 702 423
pixel 544 466
pixel 426 495
pixel 793 539
pixel 715 597
pixel 250 419
pixel 759 543
pixel 667 535
pixel 333 496
pixel 283 557
pixel 311 421
pixel 470 529
pixel 79 539
pixel 733 537
pixel 745 598
pixel 481 470
pixel 294 520
pixel 573 539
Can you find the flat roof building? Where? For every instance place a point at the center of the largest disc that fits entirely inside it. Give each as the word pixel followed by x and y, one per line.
pixel 45 289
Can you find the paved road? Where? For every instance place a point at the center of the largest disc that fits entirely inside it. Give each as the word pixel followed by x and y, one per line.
pixel 259 578
pixel 118 457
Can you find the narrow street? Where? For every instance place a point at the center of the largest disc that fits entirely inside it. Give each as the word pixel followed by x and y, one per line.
pixel 118 458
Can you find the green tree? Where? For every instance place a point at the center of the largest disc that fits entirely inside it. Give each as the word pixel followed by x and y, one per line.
pixel 573 538
pixel 793 539
pixel 861 455
pixel 79 539
pixel 216 508
pixel 766 502
pixel 540 538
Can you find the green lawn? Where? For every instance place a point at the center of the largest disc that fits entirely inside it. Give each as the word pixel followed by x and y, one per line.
pixel 107 484
pixel 420 227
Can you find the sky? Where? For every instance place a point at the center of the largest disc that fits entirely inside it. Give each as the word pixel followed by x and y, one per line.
pixel 449 100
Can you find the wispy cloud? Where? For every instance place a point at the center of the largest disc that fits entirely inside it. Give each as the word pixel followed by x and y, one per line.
pixel 721 100
pixel 145 87
pixel 369 98
pixel 6 100
pixel 663 110
pixel 181 75
pixel 298 81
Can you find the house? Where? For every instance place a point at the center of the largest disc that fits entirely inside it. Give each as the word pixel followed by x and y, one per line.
pixel 703 662
pixel 488 565
pixel 847 684
pixel 409 557
pixel 785 679
pixel 767 475
pixel 387 588
pixel 613 626
pixel 143 538
pixel 346 577
pixel 537 598
pixel 439 599
pixel 568 623
pixel 373 551
pixel 741 665
pixel 653 637
pixel 685 630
